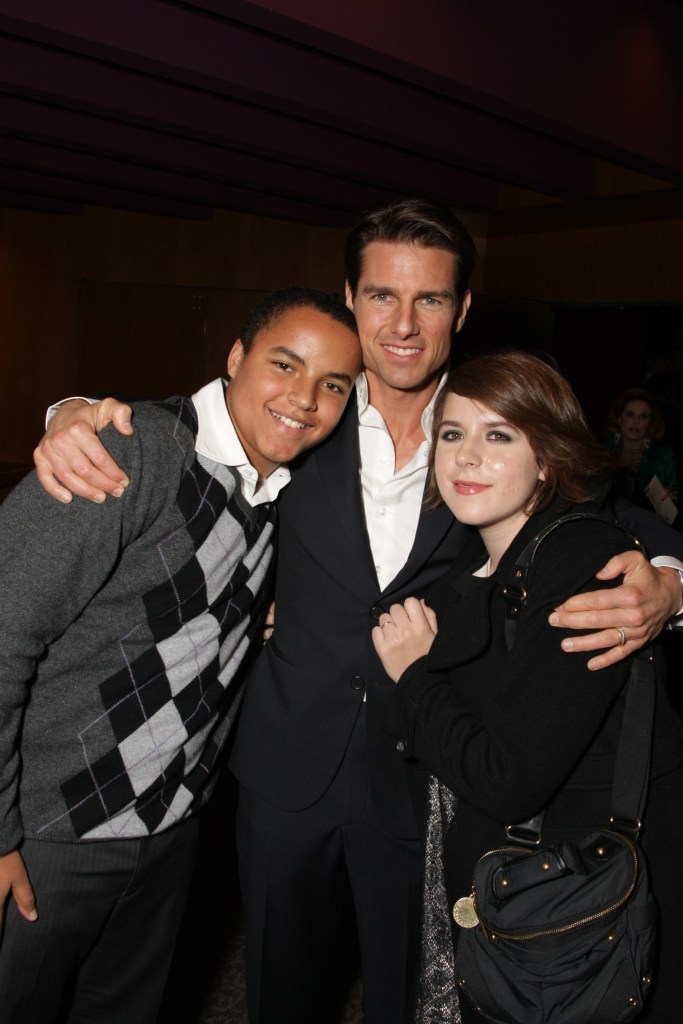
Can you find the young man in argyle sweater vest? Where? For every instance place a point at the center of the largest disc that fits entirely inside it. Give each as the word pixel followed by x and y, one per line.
pixel 125 633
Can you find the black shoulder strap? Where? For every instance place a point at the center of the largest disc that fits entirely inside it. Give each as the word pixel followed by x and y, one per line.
pixel 515 589
pixel 632 765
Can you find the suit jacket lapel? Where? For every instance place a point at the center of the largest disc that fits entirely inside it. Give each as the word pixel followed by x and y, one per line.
pixel 431 529
pixel 338 464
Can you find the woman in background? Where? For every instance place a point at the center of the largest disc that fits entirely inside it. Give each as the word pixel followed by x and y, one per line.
pixel 492 734
pixel 636 429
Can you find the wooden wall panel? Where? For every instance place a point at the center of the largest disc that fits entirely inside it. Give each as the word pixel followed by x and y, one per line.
pixel 38 330
pixel 40 245
pixel 615 263
pixel 144 340
pixel 115 300
pixel 59 326
pixel 226 310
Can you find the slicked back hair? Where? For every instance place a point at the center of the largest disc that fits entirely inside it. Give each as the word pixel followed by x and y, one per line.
pixel 413 221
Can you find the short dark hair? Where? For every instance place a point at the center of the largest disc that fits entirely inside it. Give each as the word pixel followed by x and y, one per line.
pixel 656 428
pixel 413 221
pixel 273 305
pixel 536 399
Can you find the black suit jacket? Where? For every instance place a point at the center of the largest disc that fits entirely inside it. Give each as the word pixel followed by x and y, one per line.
pixel 308 683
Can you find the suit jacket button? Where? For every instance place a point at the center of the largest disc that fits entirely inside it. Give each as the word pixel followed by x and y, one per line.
pixel 401 746
pixel 357 683
pixel 375 613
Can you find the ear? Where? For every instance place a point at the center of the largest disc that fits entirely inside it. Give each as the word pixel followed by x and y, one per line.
pixel 348 295
pixel 462 311
pixel 235 357
pixel 541 474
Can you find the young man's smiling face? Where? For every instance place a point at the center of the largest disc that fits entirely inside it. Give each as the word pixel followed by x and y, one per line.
pixel 288 391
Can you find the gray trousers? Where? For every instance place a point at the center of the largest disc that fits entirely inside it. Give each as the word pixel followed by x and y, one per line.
pixel 101 948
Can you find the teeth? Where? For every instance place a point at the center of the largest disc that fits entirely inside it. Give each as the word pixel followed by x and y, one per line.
pixel 402 351
pixel 296 424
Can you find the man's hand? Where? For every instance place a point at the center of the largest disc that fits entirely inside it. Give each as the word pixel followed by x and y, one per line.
pixel 70 458
pixel 405 633
pixel 640 608
pixel 14 880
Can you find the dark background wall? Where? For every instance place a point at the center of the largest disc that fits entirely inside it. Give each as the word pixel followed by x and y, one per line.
pixel 165 162
pixel 112 300
pixel 144 305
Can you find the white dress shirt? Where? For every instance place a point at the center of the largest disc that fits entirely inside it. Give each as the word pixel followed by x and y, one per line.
pixel 217 439
pixel 392 501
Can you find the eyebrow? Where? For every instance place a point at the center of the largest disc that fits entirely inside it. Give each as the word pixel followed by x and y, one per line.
pixel 296 358
pixel 435 293
pixel 488 424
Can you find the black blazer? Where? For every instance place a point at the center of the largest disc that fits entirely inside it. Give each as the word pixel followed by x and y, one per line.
pixel 307 686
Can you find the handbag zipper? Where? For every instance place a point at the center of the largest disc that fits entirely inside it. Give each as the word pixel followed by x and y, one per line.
pixel 491 934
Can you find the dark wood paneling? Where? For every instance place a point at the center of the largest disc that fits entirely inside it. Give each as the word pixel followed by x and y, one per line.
pixel 38 326
pixel 615 263
pixel 146 340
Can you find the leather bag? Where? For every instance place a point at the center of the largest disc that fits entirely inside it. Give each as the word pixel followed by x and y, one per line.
pixel 565 934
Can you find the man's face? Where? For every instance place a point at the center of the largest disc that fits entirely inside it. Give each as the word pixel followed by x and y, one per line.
pixel 289 390
pixel 405 306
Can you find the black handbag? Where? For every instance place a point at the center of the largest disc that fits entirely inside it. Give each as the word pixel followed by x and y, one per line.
pixel 565 934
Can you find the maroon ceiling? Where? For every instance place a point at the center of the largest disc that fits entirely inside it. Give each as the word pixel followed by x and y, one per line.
pixel 312 111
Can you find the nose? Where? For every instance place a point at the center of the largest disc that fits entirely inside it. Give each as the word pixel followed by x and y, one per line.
pixel 302 396
pixel 467 453
pixel 405 322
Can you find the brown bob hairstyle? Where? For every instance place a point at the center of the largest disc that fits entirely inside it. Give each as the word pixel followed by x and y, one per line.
pixel 533 397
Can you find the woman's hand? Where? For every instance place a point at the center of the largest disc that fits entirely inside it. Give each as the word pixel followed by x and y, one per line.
pixel 405 633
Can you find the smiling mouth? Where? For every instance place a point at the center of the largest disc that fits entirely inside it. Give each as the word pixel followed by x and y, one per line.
pixel 398 351
pixel 288 422
pixel 469 487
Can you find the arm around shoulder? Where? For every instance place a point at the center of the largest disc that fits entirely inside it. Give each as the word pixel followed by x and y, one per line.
pixel 70 459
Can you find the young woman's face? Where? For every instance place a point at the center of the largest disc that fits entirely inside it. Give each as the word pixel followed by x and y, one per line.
pixel 485 468
pixel 634 422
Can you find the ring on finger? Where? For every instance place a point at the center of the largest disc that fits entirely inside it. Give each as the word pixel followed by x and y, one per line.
pixel 621 634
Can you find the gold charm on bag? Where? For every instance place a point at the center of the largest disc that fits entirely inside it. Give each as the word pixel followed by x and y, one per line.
pixel 464 912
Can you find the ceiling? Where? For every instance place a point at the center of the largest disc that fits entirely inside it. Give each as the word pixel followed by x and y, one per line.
pixel 312 111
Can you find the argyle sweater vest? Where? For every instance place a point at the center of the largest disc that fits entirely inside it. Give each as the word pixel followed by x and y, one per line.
pixel 126 629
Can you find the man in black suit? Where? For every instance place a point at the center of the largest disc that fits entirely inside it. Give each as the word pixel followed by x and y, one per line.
pixel 324 805
pixel 325 814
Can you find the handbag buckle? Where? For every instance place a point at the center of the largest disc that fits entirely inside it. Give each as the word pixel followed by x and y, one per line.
pixel 629 827
pixel 523 833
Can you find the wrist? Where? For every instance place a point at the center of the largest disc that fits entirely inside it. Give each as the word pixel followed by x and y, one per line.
pixel 75 400
pixel 676 609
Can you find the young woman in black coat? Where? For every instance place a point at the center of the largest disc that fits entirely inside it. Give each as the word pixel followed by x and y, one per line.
pixel 495 735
